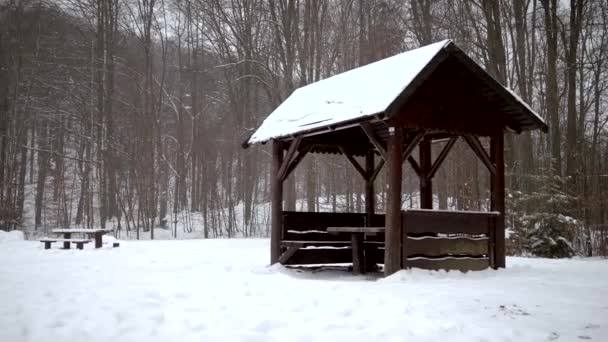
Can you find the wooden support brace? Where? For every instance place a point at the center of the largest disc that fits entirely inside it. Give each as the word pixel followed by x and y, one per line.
pixel 354 162
pixel 297 159
pixel 412 145
pixel 377 170
pixel 291 250
pixel 441 158
pixel 476 146
pixel 414 165
pixel 373 139
pixel 289 157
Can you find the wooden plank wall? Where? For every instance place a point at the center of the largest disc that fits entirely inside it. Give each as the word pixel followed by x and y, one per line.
pixel 451 240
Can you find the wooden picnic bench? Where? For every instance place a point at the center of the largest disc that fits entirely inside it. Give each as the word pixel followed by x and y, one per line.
pixel 95 234
pixel 66 242
pixel 305 239
pixel 357 235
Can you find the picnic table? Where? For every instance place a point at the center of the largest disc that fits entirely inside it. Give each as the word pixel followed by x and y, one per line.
pixel 357 236
pixel 96 234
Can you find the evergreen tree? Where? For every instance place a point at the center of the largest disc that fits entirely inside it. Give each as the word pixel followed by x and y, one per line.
pixel 539 221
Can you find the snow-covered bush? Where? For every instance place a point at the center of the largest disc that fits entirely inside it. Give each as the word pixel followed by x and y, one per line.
pixel 538 220
pixel 549 235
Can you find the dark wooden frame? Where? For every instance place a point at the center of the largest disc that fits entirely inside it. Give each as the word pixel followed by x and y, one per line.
pixel 397 149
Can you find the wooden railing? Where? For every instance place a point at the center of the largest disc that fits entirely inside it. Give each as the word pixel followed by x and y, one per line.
pixel 432 239
pixel 436 239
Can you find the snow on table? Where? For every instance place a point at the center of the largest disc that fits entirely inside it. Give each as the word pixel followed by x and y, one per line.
pixel 222 290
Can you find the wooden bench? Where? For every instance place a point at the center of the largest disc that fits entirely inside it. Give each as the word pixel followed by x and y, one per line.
pixel 358 235
pixel 305 239
pixel 66 242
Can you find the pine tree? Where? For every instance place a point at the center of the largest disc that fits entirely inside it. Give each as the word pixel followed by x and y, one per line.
pixel 539 221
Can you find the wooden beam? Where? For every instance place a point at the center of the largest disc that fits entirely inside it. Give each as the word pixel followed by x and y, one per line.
pixel 309 256
pixel 293 147
pixel 353 161
pixel 447 222
pixel 377 170
pixel 392 251
pixel 439 247
pixel 414 165
pixel 426 186
pixel 367 128
pixel 412 144
pixel 370 195
pixel 276 198
pixel 459 264
pixel 476 146
pixel 370 206
pixel 498 198
pixel 291 250
pixel 297 159
pixel 441 157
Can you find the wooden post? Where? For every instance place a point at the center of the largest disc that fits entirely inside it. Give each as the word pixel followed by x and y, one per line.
pixel 370 208
pixel 98 239
pixel 392 251
pixel 66 244
pixel 426 185
pixel 357 252
pixel 370 200
pixel 498 198
pixel 276 190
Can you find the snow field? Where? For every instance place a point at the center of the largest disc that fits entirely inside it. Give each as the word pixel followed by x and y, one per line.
pixel 223 290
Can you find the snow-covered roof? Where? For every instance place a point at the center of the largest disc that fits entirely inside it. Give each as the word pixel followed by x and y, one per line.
pixel 352 95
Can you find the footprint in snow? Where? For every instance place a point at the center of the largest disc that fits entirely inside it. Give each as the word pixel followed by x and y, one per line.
pixel 347 313
pixel 267 326
pixel 181 295
pixel 150 294
pixel 512 311
pixel 158 318
pixel 58 324
pixel 199 327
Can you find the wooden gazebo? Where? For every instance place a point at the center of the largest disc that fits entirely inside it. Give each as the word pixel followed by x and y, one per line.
pixel 387 109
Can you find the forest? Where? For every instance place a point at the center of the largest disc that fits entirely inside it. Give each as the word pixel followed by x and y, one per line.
pixel 131 114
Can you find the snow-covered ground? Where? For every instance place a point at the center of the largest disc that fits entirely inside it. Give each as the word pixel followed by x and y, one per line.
pixel 222 290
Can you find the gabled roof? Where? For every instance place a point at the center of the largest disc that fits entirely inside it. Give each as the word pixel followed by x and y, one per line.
pixel 376 89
